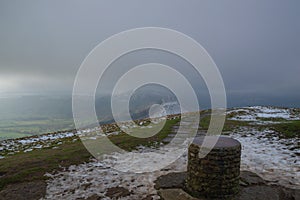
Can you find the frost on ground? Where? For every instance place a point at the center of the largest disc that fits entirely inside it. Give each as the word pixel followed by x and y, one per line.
pixel 263 152
pixel 96 177
pixel 27 144
pixel 263 114
pixel 52 140
pixel 273 158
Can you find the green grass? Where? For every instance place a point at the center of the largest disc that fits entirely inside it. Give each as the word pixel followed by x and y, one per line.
pixel 273 119
pixel 288 129
pixel 229 125
pixel 128 142
pixel 33 165
pixel 30 166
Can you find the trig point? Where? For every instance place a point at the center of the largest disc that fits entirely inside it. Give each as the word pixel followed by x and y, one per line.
pixel 217 174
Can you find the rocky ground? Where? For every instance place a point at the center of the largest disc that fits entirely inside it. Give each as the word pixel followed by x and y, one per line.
pixel 252 187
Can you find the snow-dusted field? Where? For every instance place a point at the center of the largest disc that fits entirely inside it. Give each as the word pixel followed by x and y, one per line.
pixel 96 177
pixel 274 158
pixel 50 140
pixel 263 152
pixel 256 113
pixel 270 158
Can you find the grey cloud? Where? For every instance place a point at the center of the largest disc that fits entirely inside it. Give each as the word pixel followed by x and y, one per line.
pixel 254 43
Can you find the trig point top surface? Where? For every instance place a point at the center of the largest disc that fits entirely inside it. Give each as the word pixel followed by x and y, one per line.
pixel 220 142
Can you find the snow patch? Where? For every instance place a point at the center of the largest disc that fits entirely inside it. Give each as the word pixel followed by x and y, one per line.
pixel 273 158
pixel 254 113
pixel 96 177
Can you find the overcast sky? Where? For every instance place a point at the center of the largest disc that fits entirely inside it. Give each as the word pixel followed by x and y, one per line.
pixel 255 43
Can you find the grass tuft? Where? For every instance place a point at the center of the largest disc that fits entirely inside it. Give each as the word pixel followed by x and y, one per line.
pixel 288 129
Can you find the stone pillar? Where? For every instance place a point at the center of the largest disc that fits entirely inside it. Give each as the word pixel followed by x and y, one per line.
pixel 217 174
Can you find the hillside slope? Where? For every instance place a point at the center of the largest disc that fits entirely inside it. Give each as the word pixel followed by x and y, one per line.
pixel 58 166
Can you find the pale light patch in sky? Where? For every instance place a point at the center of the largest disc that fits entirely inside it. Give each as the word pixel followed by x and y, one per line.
pixel 7 83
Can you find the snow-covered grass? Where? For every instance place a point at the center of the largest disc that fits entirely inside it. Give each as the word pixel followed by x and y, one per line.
pixel 274 158
pixel 263 152
pixel 35 159
pixel 12 146
pixel 263 114
pixel 97 177
pixel 52 140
